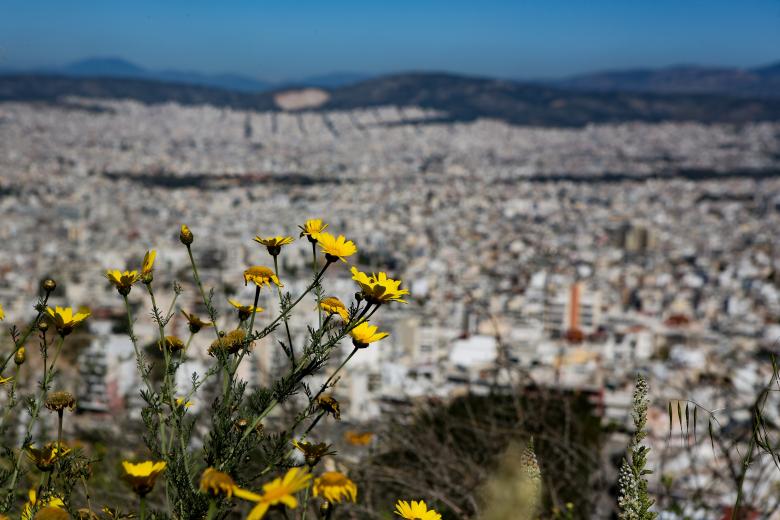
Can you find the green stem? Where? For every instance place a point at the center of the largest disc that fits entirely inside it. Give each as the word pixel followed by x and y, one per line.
pixel 342 365
pixel 212 509
pixel 20 342
pixel 143 508
pixel 206 300
pixel 314 272
pixel 60 413
pixel 281 306
pixel 306 500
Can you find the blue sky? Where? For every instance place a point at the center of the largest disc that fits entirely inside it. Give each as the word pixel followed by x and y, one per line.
pixel 294 38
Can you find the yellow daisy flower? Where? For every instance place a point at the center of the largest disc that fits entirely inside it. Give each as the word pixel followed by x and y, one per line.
pixel 45 457
pixel 171 343
pixel 244 311
pixel 415 511
pixel 148 263
pixel 33 499
pixel 274 244
pixel 5 380
pixel 142 476
pixel 180 402
pixel 261 275
pixel 333 305
pixel 218 483
pixel 312 228
pixel 333 486
pixel 65 320
pixel 364 334
pixel 230 342
pixel 358 438
pixel 336 248
pixel 195 323
pixel 123 281
pixel 378 288
pixel 281 491
pixel 313 452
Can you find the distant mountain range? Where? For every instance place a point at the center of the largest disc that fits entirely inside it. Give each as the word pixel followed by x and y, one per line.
pixel 756 82
pixel 458 98
pixel 681 79
pixel 112 67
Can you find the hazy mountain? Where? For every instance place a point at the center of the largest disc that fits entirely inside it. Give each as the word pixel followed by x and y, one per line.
pixel 103 67
pixel 112 67
pixel 460 98
pixel 762 81
pixel 54 88
pixel 333 80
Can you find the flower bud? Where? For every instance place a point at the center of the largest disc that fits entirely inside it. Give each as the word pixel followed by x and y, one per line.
pixel 43 326
pixel 185 235
pixel 19 356
pixel 49 285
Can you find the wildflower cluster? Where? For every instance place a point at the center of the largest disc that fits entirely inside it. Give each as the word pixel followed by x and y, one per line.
pixel 246 460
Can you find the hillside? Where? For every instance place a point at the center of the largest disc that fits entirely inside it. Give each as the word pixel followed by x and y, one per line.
pixel 461 98
pixel 756 82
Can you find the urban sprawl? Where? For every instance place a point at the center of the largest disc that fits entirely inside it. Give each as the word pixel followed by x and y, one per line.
pixel 561 258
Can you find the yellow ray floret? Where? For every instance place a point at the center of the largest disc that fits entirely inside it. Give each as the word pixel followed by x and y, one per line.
pixel 33 499
pixel 244 311
pixel 148 263
pixel 334 486
pixel 415 511
pixel 281 491
pixel 123 281
pixel 2 314
pixel 312 229
pixel 336 248
pixel 364 334
pixel 65 320
pixel 378 288
pixel 274 241
pixel 261 275
pixel 194 322
pixel 217 483
pixel 142 475
pixel 332 305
